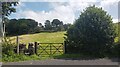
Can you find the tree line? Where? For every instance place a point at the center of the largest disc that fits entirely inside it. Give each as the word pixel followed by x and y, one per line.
pixel 28 26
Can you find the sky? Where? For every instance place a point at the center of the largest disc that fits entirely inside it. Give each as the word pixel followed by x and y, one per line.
pixel 64 10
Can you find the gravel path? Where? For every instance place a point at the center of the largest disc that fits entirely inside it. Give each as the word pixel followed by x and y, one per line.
pixel 66 62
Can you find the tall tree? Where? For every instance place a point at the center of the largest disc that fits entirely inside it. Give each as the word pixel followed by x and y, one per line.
pixel 67 26
pixel 93 33
pixel 21 26
pixel 7 9
pixel 41 27
pixel 57 24
pixel 60 27
pixel 48 25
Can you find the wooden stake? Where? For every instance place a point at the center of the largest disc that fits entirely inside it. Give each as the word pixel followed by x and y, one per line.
pixel 17 42
pixel 36 47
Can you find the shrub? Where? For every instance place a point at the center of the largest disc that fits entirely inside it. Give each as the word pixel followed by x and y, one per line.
pixel 115 51
pixel 92 33
pixel 8 54
pixel 7 46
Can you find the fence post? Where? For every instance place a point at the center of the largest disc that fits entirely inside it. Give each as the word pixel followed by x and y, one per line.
pixel 50 50
pixel 17 42
pixel 64 47
pixel 36 48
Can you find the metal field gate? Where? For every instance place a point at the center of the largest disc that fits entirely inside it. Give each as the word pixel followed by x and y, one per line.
pixel 50 49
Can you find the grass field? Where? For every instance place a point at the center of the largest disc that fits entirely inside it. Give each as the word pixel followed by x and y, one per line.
pixel 46 37
pixel 54 37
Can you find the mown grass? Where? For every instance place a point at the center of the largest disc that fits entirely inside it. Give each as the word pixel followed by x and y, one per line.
pixel 22 57
pixel 46 37
pixel 54 37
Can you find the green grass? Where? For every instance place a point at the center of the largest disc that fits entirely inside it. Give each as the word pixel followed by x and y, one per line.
pixel 75 56
pixel 55 37
pixel 21 57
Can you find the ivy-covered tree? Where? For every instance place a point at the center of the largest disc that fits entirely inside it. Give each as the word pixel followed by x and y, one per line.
pixel 7 9
pixel 92 33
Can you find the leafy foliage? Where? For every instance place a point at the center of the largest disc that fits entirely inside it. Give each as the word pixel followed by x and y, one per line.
pixel 48 25
pixel 20 57
pixel 28 26
pixel 7 8
pixel 57 25
pixel 7 46
pixel 8 54
pixel 21 26
pixel 92 33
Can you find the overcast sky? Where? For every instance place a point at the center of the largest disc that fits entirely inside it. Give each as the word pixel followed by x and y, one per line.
pixel 64 10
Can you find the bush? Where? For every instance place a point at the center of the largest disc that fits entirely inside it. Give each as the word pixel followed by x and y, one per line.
pixel 92 33
pixel 8 54
pixel 115 51
pixel 20 57
pixel 7 47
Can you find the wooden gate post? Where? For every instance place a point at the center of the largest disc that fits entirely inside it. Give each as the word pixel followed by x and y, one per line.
pixel 65 50
pixel 50 50
pixel 36 47
pixel 17 42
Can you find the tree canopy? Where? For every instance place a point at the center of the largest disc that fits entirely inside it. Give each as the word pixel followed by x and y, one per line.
pixel 21 26
pixel 48 25
pixel 7 8
pixel 92 33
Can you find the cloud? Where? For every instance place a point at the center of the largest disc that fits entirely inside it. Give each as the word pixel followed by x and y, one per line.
pixel 111 7
pixel 61 10
pixel 44 0
pixel 62 13
pixel 59 0
pixel 115 20
pixel 65 11
pixel 20 5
